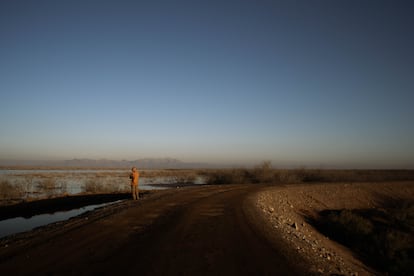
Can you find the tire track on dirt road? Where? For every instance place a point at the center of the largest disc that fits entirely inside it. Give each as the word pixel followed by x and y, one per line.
pixel 208 236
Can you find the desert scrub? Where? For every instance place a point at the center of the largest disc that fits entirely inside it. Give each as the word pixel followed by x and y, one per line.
pixel 263 173
pixel 351 225
pixel 382 237
pixel 230 176
pixel 288 176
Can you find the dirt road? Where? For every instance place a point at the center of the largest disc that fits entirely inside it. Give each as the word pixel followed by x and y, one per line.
pixel 191 231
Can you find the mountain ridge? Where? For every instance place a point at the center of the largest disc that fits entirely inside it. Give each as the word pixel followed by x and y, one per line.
pixel 142 163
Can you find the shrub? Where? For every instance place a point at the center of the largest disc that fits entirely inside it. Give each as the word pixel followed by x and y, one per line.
pixel 220 177
pixel 384 238
pixel 263 173
pixel 287 176
pixel 351 223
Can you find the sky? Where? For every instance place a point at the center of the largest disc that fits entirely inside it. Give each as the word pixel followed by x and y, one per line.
pixel 321 84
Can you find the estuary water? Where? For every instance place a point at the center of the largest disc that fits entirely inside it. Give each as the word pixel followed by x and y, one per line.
pixel 48 183
pixel 39 184
pixel 20 224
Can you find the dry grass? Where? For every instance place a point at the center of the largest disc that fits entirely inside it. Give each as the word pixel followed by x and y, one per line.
pixel 10 191
pixel 55 183
pixel 265 174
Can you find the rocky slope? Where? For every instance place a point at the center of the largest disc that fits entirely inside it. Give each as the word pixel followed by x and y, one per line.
pixel 289 209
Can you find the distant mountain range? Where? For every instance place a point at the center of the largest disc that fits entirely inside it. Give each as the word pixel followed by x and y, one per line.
pixel 146 163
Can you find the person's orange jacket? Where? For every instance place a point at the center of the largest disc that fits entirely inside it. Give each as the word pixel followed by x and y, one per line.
pixel 134 178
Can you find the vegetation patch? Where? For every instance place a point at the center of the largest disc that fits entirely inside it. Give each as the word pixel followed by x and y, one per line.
pixel 383 237
pixel 97 187
pixel 10 191
pixel 265 173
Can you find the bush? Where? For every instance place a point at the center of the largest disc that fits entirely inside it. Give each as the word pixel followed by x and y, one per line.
pixel 287 176
pixel 263 173
pixel 221 177
pixel 384 238
pixel 351 224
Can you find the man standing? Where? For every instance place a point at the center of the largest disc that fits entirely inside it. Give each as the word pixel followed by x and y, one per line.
pixel 134 183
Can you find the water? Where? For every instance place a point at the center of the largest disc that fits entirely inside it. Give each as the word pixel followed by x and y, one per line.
pixel 40 171
pixel 20 224
pixel 38 184
pixel 26 184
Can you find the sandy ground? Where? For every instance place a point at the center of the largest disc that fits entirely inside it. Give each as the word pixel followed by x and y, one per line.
pixel 207 230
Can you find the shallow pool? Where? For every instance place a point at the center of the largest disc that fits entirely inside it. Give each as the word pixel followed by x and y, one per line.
pixel 20 224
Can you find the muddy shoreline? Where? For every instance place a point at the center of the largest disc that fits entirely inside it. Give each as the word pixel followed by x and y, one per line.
pixel 48 206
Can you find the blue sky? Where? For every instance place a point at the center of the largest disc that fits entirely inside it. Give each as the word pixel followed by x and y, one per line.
pixel 300 83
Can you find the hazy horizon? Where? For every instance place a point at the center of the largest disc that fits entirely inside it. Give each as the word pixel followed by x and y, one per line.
pixel 309 83
pixel 159 162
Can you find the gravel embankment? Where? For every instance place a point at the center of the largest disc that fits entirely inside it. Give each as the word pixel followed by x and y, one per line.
pixel 288 210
